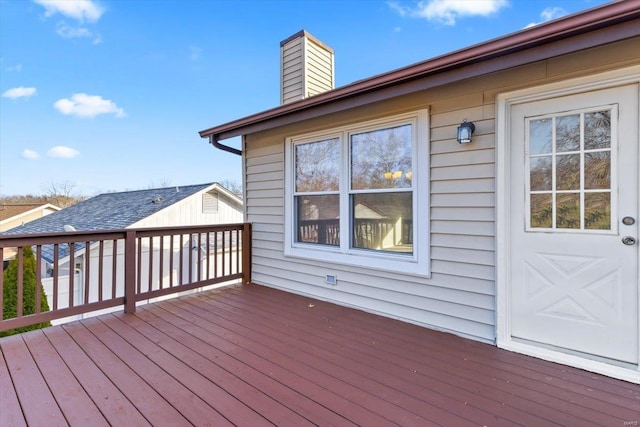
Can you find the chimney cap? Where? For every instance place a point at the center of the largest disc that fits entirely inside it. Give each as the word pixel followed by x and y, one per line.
pixel 307 34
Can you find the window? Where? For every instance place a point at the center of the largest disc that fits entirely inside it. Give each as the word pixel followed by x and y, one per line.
pixel 570 170
pixel 358 195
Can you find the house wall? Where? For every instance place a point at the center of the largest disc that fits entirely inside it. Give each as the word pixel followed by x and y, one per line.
pixel 23 218
pixel 189 212
pixel 460 294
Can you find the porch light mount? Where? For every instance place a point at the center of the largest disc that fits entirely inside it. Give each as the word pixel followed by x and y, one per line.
pixel 464 132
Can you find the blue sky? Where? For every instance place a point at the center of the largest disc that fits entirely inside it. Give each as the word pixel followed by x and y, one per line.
pixel 109 95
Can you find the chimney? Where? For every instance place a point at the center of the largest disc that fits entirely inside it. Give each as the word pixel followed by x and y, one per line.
pixel 306 67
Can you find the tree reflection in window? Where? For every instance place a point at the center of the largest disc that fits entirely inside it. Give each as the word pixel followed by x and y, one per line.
pixel 570 171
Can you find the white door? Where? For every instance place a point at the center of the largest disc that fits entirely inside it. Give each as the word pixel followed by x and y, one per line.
pixel 574 223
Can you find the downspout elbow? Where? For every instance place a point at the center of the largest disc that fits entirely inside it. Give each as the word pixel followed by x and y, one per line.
pixel 214 141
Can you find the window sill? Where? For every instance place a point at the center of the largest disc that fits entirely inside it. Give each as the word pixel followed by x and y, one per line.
pixel 402 264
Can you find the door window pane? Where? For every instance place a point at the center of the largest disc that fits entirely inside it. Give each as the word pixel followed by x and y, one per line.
pixel 540 136
pixel 541 173
pixel 568 210
pixel 542 210
pixel 318 219
pixel 597 170
pixel 568 172
pixel 597 211
pixel 383 222
pixel 568 133
pixel 597 130
pixel 381 159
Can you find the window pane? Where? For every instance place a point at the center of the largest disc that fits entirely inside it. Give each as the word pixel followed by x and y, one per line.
pixel 568 210
pixel 318 219
pixel 597 130
pixel 597 170
pixel 541 211
pixel 568 133
pixel 568 172
pixel 541 173
pixel 597 211
pixel 540 136
pixel 318 166
pixel 383 222
pixel 381 159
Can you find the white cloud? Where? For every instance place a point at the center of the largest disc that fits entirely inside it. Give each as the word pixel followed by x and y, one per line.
pixel 83 105
pixel 17 67
pixel 552 13
pixel 447 11
pixel 19 92
pixel 69 32
pixel 81 10
pixel 30 154
pixel 549 14
pixel 63 151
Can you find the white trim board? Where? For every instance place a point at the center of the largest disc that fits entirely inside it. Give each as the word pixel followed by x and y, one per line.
pixel 504 101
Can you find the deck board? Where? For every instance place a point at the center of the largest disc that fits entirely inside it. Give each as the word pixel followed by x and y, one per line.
pixel 38 404
pixel 251 355
pixel 77 407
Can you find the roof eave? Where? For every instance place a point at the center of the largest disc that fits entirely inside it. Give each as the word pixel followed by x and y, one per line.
pixel 572 25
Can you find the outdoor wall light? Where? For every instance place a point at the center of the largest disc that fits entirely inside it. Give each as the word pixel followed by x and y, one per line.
pixel 464 132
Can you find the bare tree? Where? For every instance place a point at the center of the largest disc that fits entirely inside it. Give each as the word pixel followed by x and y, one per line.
pixel 61 193
pixel 162 183
pixel 232 185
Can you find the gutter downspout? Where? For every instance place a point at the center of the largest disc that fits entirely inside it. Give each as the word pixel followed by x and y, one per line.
pixel 214 141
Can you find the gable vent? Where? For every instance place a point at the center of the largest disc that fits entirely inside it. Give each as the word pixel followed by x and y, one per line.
pixel 306 67
pixel 210 203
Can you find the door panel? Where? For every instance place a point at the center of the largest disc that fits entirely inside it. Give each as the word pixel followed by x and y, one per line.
pixel 574 176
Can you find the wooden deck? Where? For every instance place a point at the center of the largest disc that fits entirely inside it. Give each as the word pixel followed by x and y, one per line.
pixel 254 356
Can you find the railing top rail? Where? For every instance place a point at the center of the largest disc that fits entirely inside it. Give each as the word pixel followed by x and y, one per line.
pixel 13 240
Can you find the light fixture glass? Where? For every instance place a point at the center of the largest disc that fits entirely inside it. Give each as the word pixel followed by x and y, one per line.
pixel 464 132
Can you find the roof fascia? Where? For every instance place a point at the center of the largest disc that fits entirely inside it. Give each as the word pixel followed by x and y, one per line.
pixel 615 21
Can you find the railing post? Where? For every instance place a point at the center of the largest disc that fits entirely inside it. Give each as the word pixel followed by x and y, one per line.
pixel 130 272
pixel 246 253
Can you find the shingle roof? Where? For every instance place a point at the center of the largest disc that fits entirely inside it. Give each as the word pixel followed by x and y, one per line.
pixel 110 211
pixel 107 211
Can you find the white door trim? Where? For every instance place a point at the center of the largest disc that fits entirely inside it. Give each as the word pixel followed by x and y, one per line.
pixel 504 102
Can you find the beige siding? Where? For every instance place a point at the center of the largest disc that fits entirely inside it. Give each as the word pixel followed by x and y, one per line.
pixel 319 75
pixel 306 69
pixel 459 296
pixel 292 83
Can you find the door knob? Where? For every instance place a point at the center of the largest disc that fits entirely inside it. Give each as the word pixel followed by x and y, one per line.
pixel 628 240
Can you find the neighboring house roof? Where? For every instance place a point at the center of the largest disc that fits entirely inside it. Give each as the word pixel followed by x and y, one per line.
pixel 112 211
pixel 594 27
pixel 9 212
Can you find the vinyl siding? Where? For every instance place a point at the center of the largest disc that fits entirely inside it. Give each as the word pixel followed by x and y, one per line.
pixel 189 212
pixel 292 83
pixel 459 295
pixel 319 69
pixel 306 70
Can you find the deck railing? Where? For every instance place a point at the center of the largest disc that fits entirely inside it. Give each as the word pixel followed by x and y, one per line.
pixel 85 272
pixel 367 233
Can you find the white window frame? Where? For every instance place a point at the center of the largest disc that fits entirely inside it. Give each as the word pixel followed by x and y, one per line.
pixel 417 263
